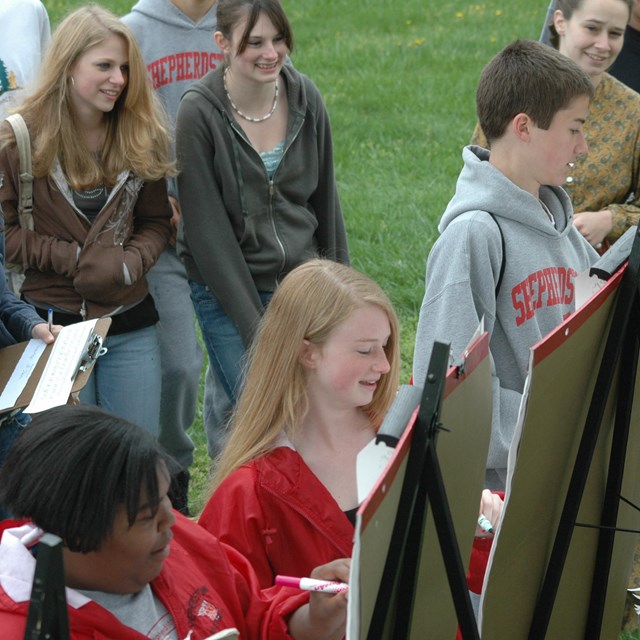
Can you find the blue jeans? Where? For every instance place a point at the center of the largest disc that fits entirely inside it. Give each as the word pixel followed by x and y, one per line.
pixel 180 354
pixel 216 411
pixel 127 379
pixel 10 429
pixel 223 341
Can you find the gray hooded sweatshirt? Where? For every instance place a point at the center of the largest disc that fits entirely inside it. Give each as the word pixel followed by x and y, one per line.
pixel 537 292
pixel 176 50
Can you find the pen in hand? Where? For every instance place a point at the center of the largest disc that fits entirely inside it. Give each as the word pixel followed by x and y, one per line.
pixel 485 524
pixel 311 584
pixel 50 319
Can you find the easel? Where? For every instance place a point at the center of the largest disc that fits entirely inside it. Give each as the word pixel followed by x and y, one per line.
pixel 423 481
pixel 47 618
pixel 624 332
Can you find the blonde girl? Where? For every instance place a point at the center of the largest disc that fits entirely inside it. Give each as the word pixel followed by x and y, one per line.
pixel 101 216
pixel 322 374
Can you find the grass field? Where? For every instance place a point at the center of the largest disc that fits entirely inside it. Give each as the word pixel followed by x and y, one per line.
pixel 398 78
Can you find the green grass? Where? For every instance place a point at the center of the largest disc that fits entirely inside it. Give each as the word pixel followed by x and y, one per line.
pixel 398 78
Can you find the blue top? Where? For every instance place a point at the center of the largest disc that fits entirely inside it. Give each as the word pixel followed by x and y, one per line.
pixel 271 159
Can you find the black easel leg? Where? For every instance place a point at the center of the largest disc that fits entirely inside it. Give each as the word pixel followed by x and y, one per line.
pixel 624 407
pixel 408 571
pixel 450 550
pixel 432 487
pixel 395 588
pixel 47 616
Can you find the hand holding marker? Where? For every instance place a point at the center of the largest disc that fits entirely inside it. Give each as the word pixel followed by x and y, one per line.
pixel 311 584
pixel 485 524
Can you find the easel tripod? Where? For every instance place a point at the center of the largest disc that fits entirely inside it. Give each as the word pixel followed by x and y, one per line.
pixel 422 482
pixel 621 353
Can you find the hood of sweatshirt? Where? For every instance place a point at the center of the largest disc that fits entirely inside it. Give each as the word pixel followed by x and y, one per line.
pixel 18 566
pixel 176 50
pixel 483 187
pixel 164 12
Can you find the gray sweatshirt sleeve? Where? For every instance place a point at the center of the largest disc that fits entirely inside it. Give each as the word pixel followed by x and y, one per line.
pixel 462 272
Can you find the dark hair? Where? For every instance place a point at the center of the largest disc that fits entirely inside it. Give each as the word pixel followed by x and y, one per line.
pixel 230 12
pixel 73 467
pixel 527 77
pixel 568 7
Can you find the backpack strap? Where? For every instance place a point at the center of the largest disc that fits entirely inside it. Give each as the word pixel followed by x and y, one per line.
pixel 25 187
pixel 502 265
pixel 25 206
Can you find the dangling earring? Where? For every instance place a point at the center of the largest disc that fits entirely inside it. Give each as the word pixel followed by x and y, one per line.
pixel 73 82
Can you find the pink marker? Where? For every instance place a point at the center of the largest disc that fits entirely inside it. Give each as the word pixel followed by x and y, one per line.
pixel 311 584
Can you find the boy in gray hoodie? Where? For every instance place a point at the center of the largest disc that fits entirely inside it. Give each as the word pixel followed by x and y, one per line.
pixel 508 249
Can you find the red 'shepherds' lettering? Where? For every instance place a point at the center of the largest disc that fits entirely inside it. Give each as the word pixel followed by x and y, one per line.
pixel 546 287
pixel 187 65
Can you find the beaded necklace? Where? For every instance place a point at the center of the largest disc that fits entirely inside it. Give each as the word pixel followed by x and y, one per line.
pixel 242 115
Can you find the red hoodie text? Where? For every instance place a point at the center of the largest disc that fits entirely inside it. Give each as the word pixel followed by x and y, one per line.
pixel 547 287
pixel 188 65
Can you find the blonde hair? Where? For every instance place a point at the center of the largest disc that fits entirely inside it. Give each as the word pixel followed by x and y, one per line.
pixel 312 301
pixel 136 136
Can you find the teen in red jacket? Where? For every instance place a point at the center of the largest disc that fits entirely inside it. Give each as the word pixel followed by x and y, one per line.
pixel 133 567
pixel 322 375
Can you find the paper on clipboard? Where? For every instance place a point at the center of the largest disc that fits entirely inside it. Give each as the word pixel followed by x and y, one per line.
pixel 57 379
pixel 21 374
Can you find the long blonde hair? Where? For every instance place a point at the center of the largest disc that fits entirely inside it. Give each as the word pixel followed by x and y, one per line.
pixel 311 302
pixel 136 136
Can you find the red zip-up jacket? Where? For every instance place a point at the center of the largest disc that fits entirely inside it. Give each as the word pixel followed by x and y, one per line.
pixel 77 266
pixel 206 586
pixel 276 513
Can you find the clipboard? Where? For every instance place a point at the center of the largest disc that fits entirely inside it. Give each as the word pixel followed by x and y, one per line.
pixel 10 356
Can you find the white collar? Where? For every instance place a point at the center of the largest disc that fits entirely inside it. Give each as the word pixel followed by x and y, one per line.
pixel 18 566
pixel 283 441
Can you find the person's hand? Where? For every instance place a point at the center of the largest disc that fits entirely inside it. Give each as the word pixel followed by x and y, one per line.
pixel 491 508
pixel 595 226
pixel 41 332
pixel 176 213
pixel 325 616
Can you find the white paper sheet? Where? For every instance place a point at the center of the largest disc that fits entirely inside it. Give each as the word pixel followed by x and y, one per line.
pixel 353 604
pixel 21 374
pixel 61 369
pixel 586 286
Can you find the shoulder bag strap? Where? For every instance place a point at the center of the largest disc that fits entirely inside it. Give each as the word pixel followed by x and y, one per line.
pixel 25 207
pixel 502 265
